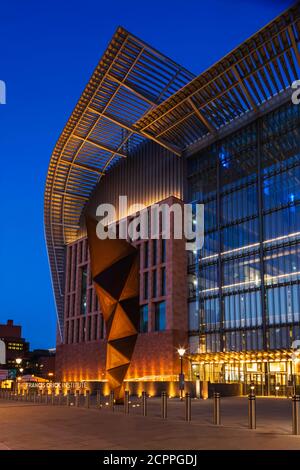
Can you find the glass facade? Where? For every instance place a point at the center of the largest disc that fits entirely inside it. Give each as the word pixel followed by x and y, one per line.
pixel 248 272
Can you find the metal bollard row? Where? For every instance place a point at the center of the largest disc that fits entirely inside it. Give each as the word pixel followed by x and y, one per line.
pixel 38 396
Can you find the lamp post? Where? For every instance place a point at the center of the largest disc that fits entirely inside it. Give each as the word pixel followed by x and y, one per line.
pixel 181 351
pixel 18 361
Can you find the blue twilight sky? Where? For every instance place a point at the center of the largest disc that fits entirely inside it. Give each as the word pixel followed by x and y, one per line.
pixel 48 50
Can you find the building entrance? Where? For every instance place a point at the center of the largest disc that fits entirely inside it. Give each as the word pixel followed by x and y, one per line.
pixel 267 374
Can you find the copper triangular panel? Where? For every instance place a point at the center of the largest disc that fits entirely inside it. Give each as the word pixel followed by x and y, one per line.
pixel 107 303
pixel 118 373
pixel 106 252
pixel 114 358
pixel 113 278
pixel 121 326
pixel 131 286
pixel 112 381
pixel 125 345
pixel 132 308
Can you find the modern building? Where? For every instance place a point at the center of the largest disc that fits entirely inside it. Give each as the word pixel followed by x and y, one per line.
pixel 229 138
pixel 41 363
pixel 16 347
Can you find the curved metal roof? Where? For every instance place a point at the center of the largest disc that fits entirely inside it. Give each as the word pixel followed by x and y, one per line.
pixel 130 79
pixel 133 95
pixel 263 66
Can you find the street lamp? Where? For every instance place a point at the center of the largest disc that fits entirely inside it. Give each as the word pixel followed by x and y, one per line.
pixel 18 361
pixel 181 351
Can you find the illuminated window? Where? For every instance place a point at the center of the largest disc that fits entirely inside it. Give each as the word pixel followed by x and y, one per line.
pixel 160 316
pixel 83 290
pixel 144 319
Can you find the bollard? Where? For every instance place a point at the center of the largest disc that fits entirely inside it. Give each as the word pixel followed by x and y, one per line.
pixel 164 406
pixel 87 399
pixel 251 411
pixel 217 416
pixel 34 396
pixel 77 398
pixel 98 399
pixel 126 402
pixel 46 398
pixel 60 395
pixel 52 397
pixel 188 407
pixel 68 397
pixel 295 414
pixel 144 403
pixel 111 400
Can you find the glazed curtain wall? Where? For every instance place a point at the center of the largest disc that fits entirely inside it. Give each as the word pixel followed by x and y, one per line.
pixel 246 278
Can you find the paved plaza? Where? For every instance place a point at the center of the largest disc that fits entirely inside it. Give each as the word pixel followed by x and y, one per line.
pixel 24 425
